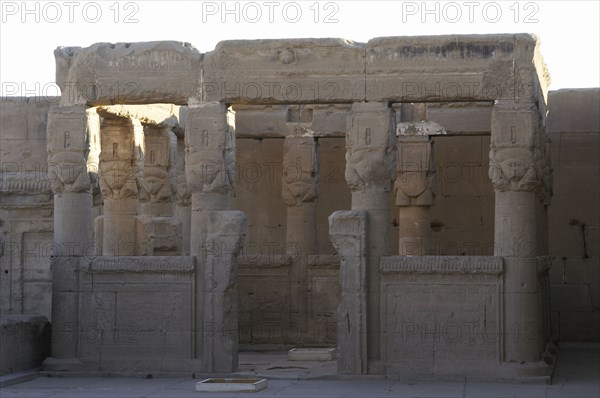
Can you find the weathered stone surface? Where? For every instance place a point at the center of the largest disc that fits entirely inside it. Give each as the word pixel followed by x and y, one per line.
pixel 149 72
pixel 67 146
pixel 462 118
pixel 156 184
pixel 574 111
pixel 438 68
pixel 300 180
pixel 121 170
pixel 370 174
pixel 348 232
pixel 161 115
pixel 515 148
pixel 210 149
pixel 570 298
pixel 25 342
pixel 441 315
pixel 225 232
pixel 370 148
pixel 284 71
pixel 416 172
pixel 136 313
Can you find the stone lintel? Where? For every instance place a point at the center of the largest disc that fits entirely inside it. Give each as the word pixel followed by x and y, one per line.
pixel 128 73
pixel 442 265
pixel 300 71
pixel 284 71
pixel 139 264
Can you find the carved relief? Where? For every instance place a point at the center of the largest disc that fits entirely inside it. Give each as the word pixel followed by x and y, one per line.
pixel 300 177
pixel 414 183
pixel 67 150
pixel 210 150
pixel 183 196
pixel 156 185
pixel 370 148
pixel 119 170
pixel 516 156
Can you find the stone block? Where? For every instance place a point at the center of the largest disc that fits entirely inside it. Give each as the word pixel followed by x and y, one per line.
pixel 579 149
pixel 13 119
pixel 231 385
pixel 574 110
pixel 148 73
pixel 37 117
pixel 25 342
pixel 258 194
pixel 459 150
pixel 557 271
pixel 462 118
pixel 135 313
pixel 580 326
pixel 284 71
pixel 261 121
pixel 37 297
pixel 311 354
pixel 23 156
pixel 570 298
pixel 583 272
pixel 441 68
pixel 432 312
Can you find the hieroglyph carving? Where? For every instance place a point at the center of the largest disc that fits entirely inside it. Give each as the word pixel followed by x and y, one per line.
pixel 370 147
pixel 300 176
pixel 518 157
pixel 119 167
pixel 210 149
pixel 68 147
pixel 159 162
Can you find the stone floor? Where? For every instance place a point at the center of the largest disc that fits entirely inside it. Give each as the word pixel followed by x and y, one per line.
pixel 577 376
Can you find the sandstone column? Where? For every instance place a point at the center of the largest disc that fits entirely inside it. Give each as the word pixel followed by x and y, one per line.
pixel 68 145
pixel 156 193
pixel 158 232
pixel 183 199
pixel 300 190
pixel 120 169
pixel 518 182
pixel 210 175
pixel 414 194
pixel 347 231
pixel 209 164
pixel 370 173
pixel 225 231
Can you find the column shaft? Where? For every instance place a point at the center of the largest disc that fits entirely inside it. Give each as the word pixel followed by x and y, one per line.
pixel 370 172
pixel 516 173
pixel 68 145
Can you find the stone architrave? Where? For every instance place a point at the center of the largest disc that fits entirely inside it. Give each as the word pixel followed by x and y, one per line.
pixel 225 233
pixel 68 146
pixel 300 191
pixel 517 176
pixel 121 168
pixel 414 194
pixel 128 73
pixel 348 233
pixel 370 174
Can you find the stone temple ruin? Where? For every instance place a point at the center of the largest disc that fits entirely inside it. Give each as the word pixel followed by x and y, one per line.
pixel 283 193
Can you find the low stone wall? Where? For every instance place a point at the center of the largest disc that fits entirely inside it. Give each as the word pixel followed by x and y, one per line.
pixel 441 315
pixel 25 342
